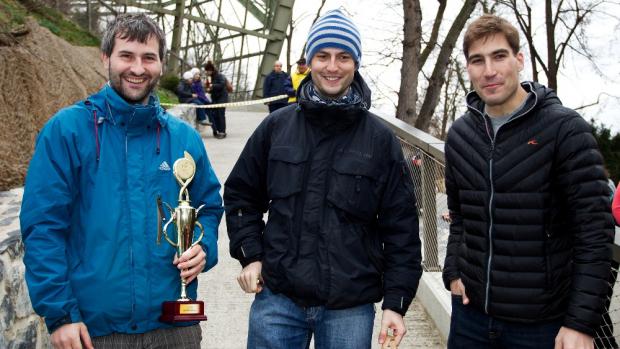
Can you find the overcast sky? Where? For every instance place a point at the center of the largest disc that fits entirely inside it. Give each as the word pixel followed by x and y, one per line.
pixel 380 22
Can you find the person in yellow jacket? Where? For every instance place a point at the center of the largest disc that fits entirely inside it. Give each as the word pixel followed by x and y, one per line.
pixel 299 74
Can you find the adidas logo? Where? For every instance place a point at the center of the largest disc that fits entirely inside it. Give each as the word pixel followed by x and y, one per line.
pixel 164 166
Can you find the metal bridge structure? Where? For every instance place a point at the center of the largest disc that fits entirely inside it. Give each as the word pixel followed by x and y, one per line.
pixel 237 35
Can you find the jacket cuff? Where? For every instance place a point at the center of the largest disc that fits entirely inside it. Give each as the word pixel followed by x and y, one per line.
pixel 579 327
pixel 54 323
pixel 250 251
pixel 396 303
pixel 246 261
pixel 449 276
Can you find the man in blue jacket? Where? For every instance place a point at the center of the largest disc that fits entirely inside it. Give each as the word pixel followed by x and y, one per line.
pixel 89 213
pixel 278 83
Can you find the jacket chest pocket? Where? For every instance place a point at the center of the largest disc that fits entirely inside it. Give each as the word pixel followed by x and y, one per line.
pixel 285 171
pixel 354 187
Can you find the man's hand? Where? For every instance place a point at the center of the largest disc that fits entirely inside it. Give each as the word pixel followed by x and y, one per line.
pixel 458 289
pixel 194 95
pixel 250 279
pixel 191 263
pixel 71 336
pixel 394 321
pixel 568 338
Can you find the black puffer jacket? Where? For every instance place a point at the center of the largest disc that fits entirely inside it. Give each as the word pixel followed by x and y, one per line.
pixel 532 230
pixel 342 228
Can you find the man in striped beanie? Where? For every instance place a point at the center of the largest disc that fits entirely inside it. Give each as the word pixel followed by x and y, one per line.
pixel 342 231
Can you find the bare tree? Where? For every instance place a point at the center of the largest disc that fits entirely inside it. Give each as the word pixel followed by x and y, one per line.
pixel 565 22
pixel 414 59
pixel 410 68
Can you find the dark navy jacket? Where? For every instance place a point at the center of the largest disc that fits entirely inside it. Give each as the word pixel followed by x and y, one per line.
pixel 531 225
pixel 342 228
pixel 278 84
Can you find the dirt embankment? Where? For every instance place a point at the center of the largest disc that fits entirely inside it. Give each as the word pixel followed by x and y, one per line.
pixel 39 74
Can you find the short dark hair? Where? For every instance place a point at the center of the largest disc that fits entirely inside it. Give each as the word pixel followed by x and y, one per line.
pixel 209 66
pixel 486 26
pixel 132 27
pixel 301 61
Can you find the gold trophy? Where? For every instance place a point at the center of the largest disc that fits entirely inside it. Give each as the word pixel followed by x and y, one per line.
pixel 184 218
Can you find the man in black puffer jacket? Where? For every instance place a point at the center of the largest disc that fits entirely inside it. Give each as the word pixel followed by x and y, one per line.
pixel 530 241
pixel 342 231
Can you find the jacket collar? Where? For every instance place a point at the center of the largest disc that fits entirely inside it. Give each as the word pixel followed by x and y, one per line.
pixel 544 96
pixel 335 117
pixel 117 111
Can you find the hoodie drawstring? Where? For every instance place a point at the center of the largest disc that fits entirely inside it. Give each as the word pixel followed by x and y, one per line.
pixel 158 130
pixel 96 130
pixel 96 133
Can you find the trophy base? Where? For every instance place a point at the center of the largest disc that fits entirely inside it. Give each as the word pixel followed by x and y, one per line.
pixel 182 311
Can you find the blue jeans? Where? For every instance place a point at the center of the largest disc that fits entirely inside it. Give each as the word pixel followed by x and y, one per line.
pixel 201 113
pixel 278 323
pixel 470 328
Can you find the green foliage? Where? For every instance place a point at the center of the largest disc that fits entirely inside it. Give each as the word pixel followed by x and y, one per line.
pixel 166 96
pixel 609 145
pixel 11 14
pixel 169 82
pixel 14 13
pixel 58 24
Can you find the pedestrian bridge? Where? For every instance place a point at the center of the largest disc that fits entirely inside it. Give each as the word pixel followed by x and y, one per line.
pixel 226 305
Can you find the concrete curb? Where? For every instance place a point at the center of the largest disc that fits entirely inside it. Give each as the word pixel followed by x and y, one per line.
pixel 436 300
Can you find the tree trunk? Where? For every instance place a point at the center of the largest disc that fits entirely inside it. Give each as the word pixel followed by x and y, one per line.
pixel 552 81
pixel 438 78
pixel 408 92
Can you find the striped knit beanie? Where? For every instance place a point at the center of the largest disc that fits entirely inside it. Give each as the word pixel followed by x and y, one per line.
pixel 334 29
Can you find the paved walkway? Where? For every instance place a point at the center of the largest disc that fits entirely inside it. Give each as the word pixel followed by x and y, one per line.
pixel 227 307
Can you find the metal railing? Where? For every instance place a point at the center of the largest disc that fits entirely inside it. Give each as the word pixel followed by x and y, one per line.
pixel 425 158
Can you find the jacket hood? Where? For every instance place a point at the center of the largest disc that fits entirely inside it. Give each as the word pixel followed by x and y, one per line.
pixel 544 97
pixel 115 109
pixel 335 116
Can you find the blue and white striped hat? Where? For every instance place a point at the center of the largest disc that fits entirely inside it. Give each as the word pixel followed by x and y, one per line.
pixel 334 29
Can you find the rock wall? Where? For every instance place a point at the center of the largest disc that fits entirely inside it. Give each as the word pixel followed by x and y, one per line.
pixel 20 327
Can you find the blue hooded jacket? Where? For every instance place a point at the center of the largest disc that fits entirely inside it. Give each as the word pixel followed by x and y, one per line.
pixel 89 214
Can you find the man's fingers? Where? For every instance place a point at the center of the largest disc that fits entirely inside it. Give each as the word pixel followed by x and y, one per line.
pixel 86 337
pixel 465 298
pixel 398 336
pixel 382 334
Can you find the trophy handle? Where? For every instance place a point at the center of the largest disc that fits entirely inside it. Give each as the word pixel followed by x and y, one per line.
pixel 202 233
pixel 200 208
pixel 169 208
pixel 172 218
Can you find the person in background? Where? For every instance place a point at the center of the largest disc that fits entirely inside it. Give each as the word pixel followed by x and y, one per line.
pixel 615 206
pixel 529 249
pixel 342 232
pixel 89 225
pixel 277 83
pixel 216 86
pixel 186 94
pixel 297 76
pixel 199 91
pixel 605 333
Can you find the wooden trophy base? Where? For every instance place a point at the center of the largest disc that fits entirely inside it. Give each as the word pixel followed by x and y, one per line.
pixel 182 311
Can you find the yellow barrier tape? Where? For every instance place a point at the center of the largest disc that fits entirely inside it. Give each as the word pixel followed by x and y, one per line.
pixel 227 105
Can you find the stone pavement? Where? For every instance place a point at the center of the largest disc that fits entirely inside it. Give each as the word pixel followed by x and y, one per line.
pixel 226 306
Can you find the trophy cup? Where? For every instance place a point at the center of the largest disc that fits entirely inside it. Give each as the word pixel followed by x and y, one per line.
pixel 184 219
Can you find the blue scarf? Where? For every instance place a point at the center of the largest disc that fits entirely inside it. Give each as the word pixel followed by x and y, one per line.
pixel 311 93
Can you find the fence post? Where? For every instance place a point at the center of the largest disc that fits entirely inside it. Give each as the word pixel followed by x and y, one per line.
pixel 430 261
